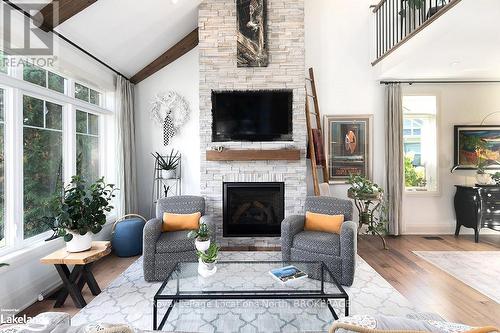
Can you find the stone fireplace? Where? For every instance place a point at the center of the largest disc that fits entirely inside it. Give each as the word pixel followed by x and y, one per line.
pixel 219 72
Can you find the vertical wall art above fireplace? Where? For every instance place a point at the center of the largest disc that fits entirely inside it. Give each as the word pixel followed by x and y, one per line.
pixel 253 209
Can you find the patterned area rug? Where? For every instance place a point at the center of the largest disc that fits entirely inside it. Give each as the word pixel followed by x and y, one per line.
pixel 478 269
pixel 129 300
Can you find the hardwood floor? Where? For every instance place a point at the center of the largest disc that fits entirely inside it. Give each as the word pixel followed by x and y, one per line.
pixel 424 285
pixel 427 287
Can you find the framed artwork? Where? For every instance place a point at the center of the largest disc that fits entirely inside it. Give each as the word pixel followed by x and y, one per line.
pixel 251 18
pixel 348 146
pixel 474 141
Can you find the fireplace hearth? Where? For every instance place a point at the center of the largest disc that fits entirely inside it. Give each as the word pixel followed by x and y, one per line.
pixel 253 209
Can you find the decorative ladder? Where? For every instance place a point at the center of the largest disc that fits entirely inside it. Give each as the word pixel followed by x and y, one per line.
pixel 312 152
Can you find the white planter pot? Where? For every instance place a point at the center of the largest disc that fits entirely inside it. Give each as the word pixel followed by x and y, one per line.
pixel 202 245
pixel 206 269
pixel 168 174
pixel 484 179
pixel 79 243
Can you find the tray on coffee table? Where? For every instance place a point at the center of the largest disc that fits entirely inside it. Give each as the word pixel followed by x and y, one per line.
pixel 247 280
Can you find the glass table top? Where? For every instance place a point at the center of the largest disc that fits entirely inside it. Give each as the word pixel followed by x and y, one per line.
pixel 248 278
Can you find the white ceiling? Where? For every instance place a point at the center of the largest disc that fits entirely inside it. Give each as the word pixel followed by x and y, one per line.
pixel 129 34
pixel 462 44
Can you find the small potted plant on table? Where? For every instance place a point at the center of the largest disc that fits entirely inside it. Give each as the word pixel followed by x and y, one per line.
pixel 207 260
pixel 168 165
pixel 81 211
pixel 201 236
pixel 368 198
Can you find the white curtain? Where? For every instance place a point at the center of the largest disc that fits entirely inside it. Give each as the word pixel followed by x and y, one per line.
pixel 125 144
pixel 394 156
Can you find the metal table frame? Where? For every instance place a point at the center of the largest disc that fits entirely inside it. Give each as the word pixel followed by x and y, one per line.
pixel 249 294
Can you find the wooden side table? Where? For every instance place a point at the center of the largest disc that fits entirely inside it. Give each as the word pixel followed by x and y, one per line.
pixel 75 280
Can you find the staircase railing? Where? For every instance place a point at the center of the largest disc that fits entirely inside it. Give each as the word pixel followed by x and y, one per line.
pixel 396 21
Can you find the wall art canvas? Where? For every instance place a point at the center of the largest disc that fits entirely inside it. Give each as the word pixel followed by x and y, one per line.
pixel 348 146
pixel 252 29
pixel 474 142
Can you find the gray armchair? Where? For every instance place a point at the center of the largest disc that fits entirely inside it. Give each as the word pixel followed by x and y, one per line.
pixel 162 251
pixel 338 252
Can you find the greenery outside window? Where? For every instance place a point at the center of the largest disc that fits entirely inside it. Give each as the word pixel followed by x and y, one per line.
pixel 87 145
pixel 2 168
pixel 87 94
pixel 42 160
pixel 420 143
pixel 44 78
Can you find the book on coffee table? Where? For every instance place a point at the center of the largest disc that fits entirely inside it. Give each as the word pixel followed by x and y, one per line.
pixel 287 274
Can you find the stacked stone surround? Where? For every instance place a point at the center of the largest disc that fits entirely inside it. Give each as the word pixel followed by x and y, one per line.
pixel 218 71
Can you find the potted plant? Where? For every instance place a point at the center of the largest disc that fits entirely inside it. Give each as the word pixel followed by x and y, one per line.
pixel 80 211
pixel 168 165
pixel 207 260
pixel 201 236
pixel 482 177
pixel 369 200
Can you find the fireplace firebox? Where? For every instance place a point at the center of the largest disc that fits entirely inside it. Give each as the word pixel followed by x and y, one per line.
pixel 253 209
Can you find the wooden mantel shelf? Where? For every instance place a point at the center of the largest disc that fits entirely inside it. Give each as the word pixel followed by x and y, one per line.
pixel 254 155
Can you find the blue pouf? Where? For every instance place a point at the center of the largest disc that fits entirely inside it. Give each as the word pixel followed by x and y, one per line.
pixel 127 237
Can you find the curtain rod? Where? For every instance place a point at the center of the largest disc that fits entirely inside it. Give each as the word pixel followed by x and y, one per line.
pixel 67 40
pixel 410 82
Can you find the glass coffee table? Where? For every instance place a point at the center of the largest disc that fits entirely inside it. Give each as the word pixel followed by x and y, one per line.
pixel 247 280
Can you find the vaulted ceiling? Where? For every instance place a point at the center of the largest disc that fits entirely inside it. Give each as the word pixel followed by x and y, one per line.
pixel 128 34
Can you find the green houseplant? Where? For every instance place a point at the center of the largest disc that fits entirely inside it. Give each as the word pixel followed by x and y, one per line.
pixel 369 201
pixel 168 165
pixel 80 211
pixel 201 236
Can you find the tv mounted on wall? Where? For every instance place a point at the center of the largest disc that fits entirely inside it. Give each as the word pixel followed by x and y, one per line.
pixel 262 115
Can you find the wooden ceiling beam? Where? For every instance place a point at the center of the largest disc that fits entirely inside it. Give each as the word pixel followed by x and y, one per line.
pixel 175 52
pixel 59 11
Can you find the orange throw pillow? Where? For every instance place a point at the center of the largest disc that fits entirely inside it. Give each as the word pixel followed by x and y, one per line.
pixel 323 222
pixel 179 222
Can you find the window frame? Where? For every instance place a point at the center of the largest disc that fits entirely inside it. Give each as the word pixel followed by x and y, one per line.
pixel 15 88
pixel 100 138
pixel 437 96
pixel 89 87
pixel 47 70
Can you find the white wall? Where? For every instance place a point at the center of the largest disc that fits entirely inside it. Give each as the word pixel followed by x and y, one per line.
pixel 338 47
pixel 181 76
pixel 457 105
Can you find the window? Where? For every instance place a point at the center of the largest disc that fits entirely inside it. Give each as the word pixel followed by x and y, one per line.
pixel 42 160
pixel 87 94
pixel 44 78
pixel 87 145
pixel 2 168
pixel 420 143
pixel 45 139
pixel 3 62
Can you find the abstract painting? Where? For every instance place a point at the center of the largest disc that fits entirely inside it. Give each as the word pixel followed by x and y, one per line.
pixel 475 142
pixel 348 146
pixel 252 39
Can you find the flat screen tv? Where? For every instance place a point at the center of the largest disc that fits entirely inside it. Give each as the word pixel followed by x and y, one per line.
pixel 264 115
